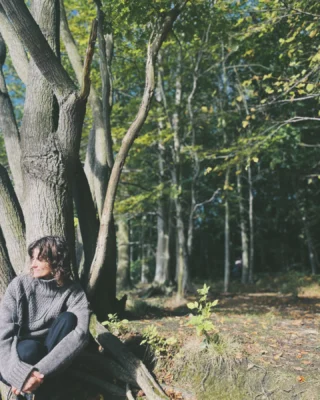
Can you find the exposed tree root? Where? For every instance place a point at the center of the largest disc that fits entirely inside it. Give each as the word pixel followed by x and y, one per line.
pixel 134 367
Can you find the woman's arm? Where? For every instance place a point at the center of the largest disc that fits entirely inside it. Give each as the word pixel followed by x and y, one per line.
pixel 65 351
pixel 12 369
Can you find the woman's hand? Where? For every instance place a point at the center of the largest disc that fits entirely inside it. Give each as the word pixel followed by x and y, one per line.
pixel 32 383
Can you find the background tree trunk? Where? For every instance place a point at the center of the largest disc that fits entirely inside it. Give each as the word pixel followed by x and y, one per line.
pixel 123 239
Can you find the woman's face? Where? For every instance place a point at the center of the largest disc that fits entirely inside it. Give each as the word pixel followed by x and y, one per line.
pixel 40 268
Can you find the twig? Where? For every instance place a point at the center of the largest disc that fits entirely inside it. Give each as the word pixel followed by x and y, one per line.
pixel 204 379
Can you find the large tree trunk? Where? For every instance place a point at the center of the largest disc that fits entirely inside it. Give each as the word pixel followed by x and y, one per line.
pixel 47 203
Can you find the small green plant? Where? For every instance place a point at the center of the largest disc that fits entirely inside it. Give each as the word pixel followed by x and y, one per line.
pixel 202 321
pixel 158 344
pixel 116 326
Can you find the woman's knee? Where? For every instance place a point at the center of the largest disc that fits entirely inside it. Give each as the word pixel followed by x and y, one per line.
pixel 68 319
pixel 30 351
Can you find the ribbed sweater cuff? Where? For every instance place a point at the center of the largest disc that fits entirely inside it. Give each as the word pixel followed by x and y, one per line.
pixel 19 374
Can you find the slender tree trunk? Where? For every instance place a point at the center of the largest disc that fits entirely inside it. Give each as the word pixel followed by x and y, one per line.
pixel 251 226
pixel 143 251
pixel 226 235
pixel 311 249
pixel 123 239
pixel 182 255
pixel 243 229
pixel 162 256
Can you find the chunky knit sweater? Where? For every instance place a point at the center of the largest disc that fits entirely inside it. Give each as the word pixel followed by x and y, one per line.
pixel 27 310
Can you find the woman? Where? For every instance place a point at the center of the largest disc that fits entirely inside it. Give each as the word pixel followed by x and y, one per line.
pixel 44 319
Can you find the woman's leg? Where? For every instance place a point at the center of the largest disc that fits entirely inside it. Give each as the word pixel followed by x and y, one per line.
pixel 31 351
pixel 62 326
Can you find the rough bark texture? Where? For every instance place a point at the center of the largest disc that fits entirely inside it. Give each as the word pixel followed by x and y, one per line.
pixel 123 245
pixel 46 198
pixel 12 223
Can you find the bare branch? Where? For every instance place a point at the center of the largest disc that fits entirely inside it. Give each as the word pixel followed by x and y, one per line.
pixel 85 87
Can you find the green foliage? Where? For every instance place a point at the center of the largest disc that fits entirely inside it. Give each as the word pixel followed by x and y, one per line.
pixel 201 321
pixel 116 326
pixel 159 345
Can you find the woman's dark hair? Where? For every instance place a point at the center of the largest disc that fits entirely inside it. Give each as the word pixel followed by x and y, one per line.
pixel 54 250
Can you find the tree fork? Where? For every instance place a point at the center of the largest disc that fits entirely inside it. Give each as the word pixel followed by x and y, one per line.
pixel 106 218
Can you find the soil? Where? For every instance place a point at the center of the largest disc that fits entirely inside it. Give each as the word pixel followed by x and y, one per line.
pixel 276 332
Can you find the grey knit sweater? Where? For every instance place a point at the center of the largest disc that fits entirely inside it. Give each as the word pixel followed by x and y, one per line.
pixel 27 310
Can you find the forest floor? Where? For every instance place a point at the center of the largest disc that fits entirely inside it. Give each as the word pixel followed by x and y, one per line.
pixel 269 345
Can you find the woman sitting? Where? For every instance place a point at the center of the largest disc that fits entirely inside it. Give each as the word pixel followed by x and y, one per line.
pixel 44 319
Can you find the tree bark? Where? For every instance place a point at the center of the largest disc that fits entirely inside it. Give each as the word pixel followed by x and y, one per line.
pixel 6 271
pixel 9 128
pixel 16 49
pixel 123 245
pixel 12 223
pixel 163 254
pixel 251 226
pixel 182 274
pixel 88 222
pixel 226 235
pixel 104 236
pixel 243 230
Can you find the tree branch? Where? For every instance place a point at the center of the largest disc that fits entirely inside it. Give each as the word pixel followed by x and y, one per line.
pixel 9 127
pixel 17 52
pixel 42 54
pixel 12 222
pixel 85 87
pixel 106 55
pixel 104 233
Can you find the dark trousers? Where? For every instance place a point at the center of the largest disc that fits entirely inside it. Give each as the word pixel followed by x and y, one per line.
pixel 32 351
